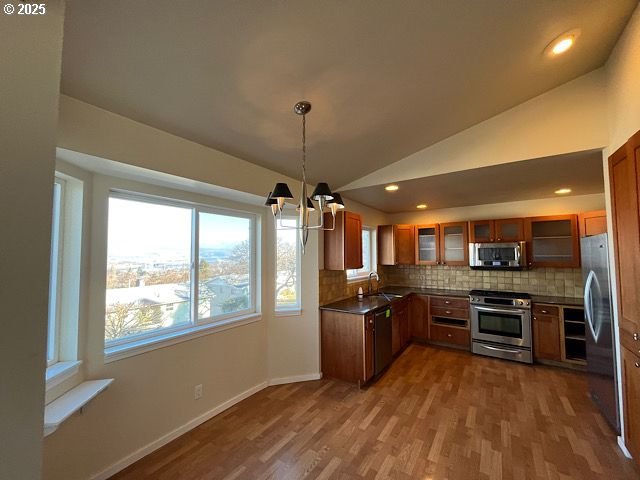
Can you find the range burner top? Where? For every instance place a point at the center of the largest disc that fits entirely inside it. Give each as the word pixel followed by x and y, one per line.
pixel 499 294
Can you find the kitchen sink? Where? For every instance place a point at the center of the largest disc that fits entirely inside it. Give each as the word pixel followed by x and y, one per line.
pixel 385 296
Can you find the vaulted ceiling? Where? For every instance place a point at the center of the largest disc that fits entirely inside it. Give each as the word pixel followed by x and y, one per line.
pixel 386 79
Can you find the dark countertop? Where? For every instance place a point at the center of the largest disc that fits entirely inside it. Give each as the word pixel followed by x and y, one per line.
pixel 368 304
pixel 571 301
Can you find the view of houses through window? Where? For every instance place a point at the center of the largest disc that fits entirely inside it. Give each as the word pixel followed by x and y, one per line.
pixel 151 249
pixel 287 267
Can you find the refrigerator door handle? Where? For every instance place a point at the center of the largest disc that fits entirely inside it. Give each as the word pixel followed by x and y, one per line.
pixel 587 304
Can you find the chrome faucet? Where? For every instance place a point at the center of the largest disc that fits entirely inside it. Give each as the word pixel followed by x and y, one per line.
pixel 373 274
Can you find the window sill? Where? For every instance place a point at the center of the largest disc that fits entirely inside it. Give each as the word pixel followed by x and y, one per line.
pixel 119 352
pixel 294 312
pixel 75 399
pixel 61 371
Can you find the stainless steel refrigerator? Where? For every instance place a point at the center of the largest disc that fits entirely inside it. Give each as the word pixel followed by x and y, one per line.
pixel 599 335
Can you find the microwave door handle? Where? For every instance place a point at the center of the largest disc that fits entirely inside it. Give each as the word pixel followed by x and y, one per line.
pixel 499 310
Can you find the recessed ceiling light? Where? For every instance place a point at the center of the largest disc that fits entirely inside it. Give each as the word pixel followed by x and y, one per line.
pixel 562 191
pixel 422 206
pixel 391 188
pixel 563 43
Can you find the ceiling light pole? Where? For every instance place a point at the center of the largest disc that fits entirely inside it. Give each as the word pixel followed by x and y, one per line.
pixel 322 193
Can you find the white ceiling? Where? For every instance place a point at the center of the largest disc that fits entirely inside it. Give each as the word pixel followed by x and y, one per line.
pixel 386 78
pixel 525 180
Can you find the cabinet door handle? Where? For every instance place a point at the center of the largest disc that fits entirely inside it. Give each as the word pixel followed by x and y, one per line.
pixel 635 336
pixel 499 239
pixel 448 312
pixel 535 318
pixel 637 365
pixel 449 335
pixel 544 311
pixel 371 321
pixel 447 302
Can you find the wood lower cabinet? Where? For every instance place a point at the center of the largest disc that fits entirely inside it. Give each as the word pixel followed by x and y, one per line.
pixel 396 244
pixel 347 346
pixel 592 223
pixel 546 333
pixel 399 325
pixel 419 317
pixel 631 400
pixel 343 244
pixel 449 321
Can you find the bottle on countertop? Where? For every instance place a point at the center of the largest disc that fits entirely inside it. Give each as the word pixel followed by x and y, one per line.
pixel 360 293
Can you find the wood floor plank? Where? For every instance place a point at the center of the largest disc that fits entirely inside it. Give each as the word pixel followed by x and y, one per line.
pixel 436 414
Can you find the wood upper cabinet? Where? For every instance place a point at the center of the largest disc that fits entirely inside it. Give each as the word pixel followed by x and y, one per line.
pixel 509 230
pixel 419 317
pixel 553 241
pixel 631 401
pixel 454 244
pixel 343 244
pixel 427 241
pixel 481 231
pixel 624 168
pixel 503 230
pixel 396 244
pixel 592 223
pixel 546 333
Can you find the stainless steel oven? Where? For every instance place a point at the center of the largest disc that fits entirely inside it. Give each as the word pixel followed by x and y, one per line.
pixel 501 324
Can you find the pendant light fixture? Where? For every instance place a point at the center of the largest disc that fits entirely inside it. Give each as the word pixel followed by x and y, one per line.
pixel 321 194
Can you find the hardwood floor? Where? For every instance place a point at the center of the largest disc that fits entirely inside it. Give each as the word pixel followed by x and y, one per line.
pixel 436 414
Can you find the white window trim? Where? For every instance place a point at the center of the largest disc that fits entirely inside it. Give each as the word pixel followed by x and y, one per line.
pixel 289 310
pixel 136 344
pixel 53 338
pixel 373 260
pixel 61 371
pixel 143 345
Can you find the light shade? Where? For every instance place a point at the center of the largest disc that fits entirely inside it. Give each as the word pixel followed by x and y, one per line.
pixel 322 190
pixel 270 200
pixel 310 206
pixel 281 190
pixel 337 199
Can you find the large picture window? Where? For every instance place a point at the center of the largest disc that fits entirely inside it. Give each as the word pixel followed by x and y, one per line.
pixel 153 285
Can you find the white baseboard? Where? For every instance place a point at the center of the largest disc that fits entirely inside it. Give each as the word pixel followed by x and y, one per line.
pixel 151 447
pixel 623 447
pixel 295 379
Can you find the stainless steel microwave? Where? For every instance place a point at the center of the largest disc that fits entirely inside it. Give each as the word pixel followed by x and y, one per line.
pixel 508 255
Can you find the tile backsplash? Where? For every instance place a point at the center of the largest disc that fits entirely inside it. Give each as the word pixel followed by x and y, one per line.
pixel 557 282
pixel 334 286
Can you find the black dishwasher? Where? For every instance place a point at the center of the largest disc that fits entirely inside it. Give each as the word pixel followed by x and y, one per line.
pixel 382 339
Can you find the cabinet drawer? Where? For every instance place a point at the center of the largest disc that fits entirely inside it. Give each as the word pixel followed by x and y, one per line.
pixel 455 336
pixel 450 302
pixel 449 312
pixel 546 310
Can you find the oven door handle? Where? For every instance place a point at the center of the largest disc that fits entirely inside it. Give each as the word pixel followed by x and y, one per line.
pixel 505 350
pixel 499 310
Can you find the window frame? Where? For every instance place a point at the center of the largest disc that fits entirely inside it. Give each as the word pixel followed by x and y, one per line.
pixel 297 308
pixel 54 306
pixel 119 347
pixel 372 260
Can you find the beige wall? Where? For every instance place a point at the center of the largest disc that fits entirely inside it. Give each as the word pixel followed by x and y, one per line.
pixel 29 84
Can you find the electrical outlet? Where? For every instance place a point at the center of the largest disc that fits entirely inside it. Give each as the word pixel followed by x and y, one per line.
pixel 197 392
